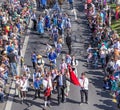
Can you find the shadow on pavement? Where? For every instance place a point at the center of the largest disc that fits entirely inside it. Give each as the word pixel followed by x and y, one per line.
pixel 72 101
pixel 104 107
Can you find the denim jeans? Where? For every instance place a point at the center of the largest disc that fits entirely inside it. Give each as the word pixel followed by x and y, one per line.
pixel 103 62
pixel 1 96
pixel 13 68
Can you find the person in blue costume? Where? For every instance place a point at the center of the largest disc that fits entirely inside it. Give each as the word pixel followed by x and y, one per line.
pixel 71 4
pixel 40 27
pixel 34 59
pixel 55 35
pixel 56 6
pixel 59 48
pixel 59 20
pixel 52 56
pixel 60 23
pixel 43 3
pixel 47 21
pixel 55 19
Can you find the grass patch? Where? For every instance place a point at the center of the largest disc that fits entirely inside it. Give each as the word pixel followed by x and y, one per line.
pixel 113 6
pixel 116 26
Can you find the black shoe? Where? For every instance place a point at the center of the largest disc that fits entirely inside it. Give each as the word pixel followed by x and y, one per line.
pixel 86 102
pixel 62 101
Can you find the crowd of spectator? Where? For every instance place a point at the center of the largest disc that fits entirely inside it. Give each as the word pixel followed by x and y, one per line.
pixel 14 18
pixel 104 51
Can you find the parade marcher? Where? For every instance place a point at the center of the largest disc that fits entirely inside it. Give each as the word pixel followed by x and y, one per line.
pixel 43 3
pixel 36 74
pixel 68 42
pixel 55 35
pixel 46 71
pixel 68 59
pixel 34 19
pixel 21 61
pixel 71 4
pixel 47 21
pixel 26 68
pixel 54 19
pixel 68 24
pixel 40 26
pixel 63 66
pixel 67 89
pixel 84 83
pixel 47 90
pixel 59 48
pixel 40 62
pixel 28 76
pixel 23 87
pixel 60 23
pixel 54 73
pixel 48 48
pixel 52 57
pixel 61 85
pixel 17 86
pixel 34 59
pixel 74 64
pixel 37 84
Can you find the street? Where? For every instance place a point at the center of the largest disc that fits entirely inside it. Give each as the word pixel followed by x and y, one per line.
pixel 98 98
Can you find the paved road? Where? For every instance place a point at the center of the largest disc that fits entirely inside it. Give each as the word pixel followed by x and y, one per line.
pixel 98 99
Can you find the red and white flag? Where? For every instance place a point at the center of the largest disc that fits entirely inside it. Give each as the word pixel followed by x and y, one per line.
pixel 73 77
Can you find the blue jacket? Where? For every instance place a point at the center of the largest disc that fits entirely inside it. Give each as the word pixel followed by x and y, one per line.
pixel 52 56
pixel 70 1
pixel 43 2
pixel 37 84
pixel 9 49
pixel 34 58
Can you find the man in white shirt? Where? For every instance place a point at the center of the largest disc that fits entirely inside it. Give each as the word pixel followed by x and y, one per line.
pixel 84 82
